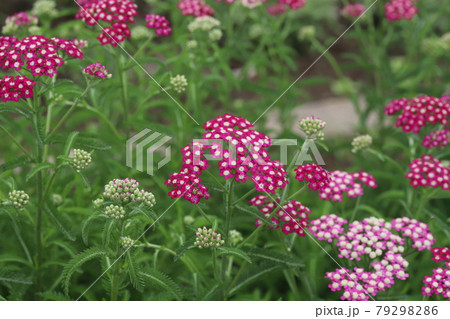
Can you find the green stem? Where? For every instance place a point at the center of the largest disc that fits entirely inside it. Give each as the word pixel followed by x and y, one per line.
pixel 355 209
pixel 13 139
pixel 301 190
pixel 214 258
pixel 123 81
pixel 202 212
pixel 106 120
pixel 243 197
pixel 289 168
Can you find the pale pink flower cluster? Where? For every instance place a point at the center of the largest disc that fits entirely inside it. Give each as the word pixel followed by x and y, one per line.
pixel 353 10
pixel 400 9
pixel 418 232
pixel 327 227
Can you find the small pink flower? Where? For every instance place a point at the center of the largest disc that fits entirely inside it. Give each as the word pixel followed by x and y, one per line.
pixel 13 88
pixel 276 9
pixel 400 9
pixel 22 19
pixel 438 283
pixel 439 138
pixel 353 10
pixel 98 70
pixel 293 4
pixel 159 23
pixel 428 171
pixel 441 254
pixel 317 177
pixel 327 227
pixel 419 232
pixel 196 8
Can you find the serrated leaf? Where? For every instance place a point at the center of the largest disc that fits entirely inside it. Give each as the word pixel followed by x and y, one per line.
pixel 38 129
pixel 162 280
pixel 37 168
pixel 15 162
pixel 256 213
pixel 133 272
pixel 69 143
pixel 78 261
pixel 53 296
pixel 235 252
pixel 252 274
pixel 85 227
pixel 183 249
pixel 273 256
pixel 14 277
pixel 16 110
pixel 58 224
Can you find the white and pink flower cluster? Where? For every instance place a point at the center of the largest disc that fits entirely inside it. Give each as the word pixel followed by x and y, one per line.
pixel 22 19
pixel 342 182
pixel 97 70
pixel 292 217
pixel 159 23
pixel 327 227
pixel 13 88
pixel 317 177
pixel 428 171
pixel 353 10
pixel 400 10
pixel 439 138
pixel 196 8
pixel 40 54
pixel 244 156
pixel 417 231
pixel 439 282
pixel 117 13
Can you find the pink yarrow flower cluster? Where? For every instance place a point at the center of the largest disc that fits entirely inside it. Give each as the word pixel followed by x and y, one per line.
pixel 196 8
pixel 342 182
pixel 13 88
pixel 22 19
pixel 159 23
pixel 40 54
pixel 429 172
pixel 283 5
pixel 317 177
pixel 327 227
pixel 417 231
pixel 245 156
pixel 97 70
pixel 292 217
pixel 418 112
pixel 439 138
pixel 353 10
pixel 441 254
pixel 117 13
pixel 439 282
pixel 400 9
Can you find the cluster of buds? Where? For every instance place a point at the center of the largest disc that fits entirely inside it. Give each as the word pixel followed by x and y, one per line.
pixel 361 142
pixel 235 237
pixel 126 242
pixel 80 159
pixel 19 20
pixel 179 83
pixel 97 70
pixel 126 191
pixel 44 8
pixel 18 198
pixel 115 211
pixel 206 24
pixel 208 238
pixel 313 127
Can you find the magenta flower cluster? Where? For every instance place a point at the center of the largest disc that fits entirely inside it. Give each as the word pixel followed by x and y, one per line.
pixel 439 282
pixel 400 10
pixel 22 19
pixel 317 177
pixel 439 138
pixel 159 23
pixel 428 171
pixel 418 112
pixel 440 254
pixel 283 5
pixel 40 54
pixel 342 182
pixel 327 227
pixel 241 152
pixel 196 8
pixel 353 10
pixel 292 217
pixel 417 231
pixel 117 13
pixel 97 70
pixel 13 88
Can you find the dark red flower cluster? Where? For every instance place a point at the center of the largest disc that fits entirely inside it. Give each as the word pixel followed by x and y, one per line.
pixel 241 152
pixel 430 172
pixel 159 23
pixel 418 112
pixel 439 138
pixel 440 254
pixel 317 177
pixel 13 88
pixel 117 13
pixel 400 9
pixel 292 217
pixel 196 8
pixel 39 53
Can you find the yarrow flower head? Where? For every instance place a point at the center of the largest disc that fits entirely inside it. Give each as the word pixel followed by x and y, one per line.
pixel 313 127
pixel 204 23
pixel 440 254
pixel 18 198
pixel 118 13
pixel 293 4
pixel 126 242
pixel 97 70
pixel 243 156
pixel 316 176
pixel 439 138
pixel 361 142
pixel 159 23
pixel 276 9
pixel 353 10
pixel 251 4
pixel 400 9
pixel 235 237
pixel 208 238
pixel 19 20
pixel 292 217
pixel 80 43
pixel 419 232
pixel 179 83
pixel 439 282
pixel 14 88
pixel 327 227
pixel 343 182
pixel 39 53
pixel 115 211
pixel 80 159
pixel 196 8
pixel 418 112
pixel 126 191
pixel 44 8
pixel 429 172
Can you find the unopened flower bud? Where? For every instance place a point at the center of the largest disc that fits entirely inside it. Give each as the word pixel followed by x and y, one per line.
pixel 126 242
pixel 313 127
pixel 208 238
pixel 361 142
pixel 18 198
pixel 179 83
pixel 81 159
pixel 115 211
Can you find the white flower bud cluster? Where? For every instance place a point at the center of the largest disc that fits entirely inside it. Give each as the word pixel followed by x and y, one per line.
pixel 126 191
pixel 361 142
pixel 207 238
pixel 18 198
pixel 115 211
pixel 98 202
pixel 313 127
pixel 81 159
pixel 179 83
pixel 206 24
pixel 126 242
pixel 44 8
pixel 235 237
